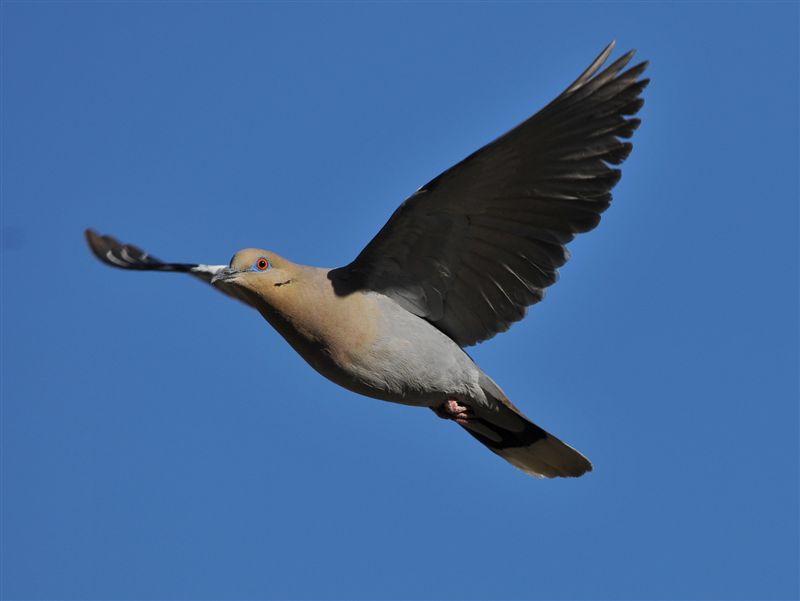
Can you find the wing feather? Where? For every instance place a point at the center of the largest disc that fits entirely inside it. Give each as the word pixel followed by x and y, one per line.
pixel 477 245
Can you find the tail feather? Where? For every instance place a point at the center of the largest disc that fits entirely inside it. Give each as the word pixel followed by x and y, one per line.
pixel 526 446
pixel 532 450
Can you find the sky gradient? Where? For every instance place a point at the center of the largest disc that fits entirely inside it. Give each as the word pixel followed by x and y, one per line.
pixel 160 441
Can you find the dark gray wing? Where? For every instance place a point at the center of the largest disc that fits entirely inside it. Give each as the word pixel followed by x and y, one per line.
pixel 127 256
pixel 472 249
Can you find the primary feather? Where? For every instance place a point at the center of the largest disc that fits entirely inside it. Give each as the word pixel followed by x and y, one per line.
pixel 473 248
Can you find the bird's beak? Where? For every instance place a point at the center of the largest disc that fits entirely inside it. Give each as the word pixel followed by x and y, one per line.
pixel 225 275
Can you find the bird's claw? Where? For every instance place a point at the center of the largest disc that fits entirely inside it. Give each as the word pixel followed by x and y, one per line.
pixel 452 409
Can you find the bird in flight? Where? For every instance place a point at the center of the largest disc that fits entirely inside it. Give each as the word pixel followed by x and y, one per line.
pixel 459 261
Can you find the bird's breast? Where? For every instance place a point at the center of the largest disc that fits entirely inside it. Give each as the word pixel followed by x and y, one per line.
pixel 333 334
pixel 368 344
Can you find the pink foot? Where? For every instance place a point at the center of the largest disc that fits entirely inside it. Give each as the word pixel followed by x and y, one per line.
pixel 451 409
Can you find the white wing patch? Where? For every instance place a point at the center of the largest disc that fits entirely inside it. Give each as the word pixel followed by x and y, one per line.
pixel 208 269
pixel 110 256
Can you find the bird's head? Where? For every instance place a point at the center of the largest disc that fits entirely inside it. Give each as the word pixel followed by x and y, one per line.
pixel 256 270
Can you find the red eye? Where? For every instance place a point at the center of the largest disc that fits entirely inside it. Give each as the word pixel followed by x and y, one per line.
pixel 262 264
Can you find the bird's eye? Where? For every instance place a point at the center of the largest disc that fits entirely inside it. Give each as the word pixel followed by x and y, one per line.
pixel 262 264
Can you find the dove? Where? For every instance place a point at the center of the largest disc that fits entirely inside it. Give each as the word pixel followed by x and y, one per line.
pixel 458 262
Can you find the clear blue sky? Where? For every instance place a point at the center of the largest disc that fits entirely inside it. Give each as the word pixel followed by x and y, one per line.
pixel 160 441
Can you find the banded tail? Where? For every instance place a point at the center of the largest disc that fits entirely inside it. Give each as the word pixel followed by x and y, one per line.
pixel 526 446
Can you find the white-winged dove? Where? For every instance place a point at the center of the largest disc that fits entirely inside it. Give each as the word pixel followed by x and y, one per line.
pixel 458 262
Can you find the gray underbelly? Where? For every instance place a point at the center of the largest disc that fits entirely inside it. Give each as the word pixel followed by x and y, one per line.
pixel 413 363
pixel 408 361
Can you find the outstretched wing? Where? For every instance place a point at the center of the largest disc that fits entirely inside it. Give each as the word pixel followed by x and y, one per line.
pixel 472 249
pixel 126 256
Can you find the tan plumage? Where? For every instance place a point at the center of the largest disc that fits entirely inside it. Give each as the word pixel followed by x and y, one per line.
pixel 459 261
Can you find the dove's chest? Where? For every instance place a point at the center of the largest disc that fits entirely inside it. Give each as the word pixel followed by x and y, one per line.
pixel 366 343
pixel 331 333
pixel 388 353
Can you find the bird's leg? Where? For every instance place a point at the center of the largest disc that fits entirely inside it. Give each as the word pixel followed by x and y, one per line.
pixel 452 409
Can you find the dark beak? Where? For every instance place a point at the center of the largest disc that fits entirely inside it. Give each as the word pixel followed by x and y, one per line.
pixel 225 275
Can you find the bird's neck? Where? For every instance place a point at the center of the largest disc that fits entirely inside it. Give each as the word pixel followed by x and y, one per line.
pixel 312 317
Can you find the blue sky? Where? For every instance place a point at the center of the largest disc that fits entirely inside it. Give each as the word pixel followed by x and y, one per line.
pixel 162 442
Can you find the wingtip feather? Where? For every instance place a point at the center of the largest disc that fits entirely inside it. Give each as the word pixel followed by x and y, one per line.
pixel 592 68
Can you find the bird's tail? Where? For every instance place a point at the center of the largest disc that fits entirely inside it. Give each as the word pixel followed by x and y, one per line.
pixel 507 432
